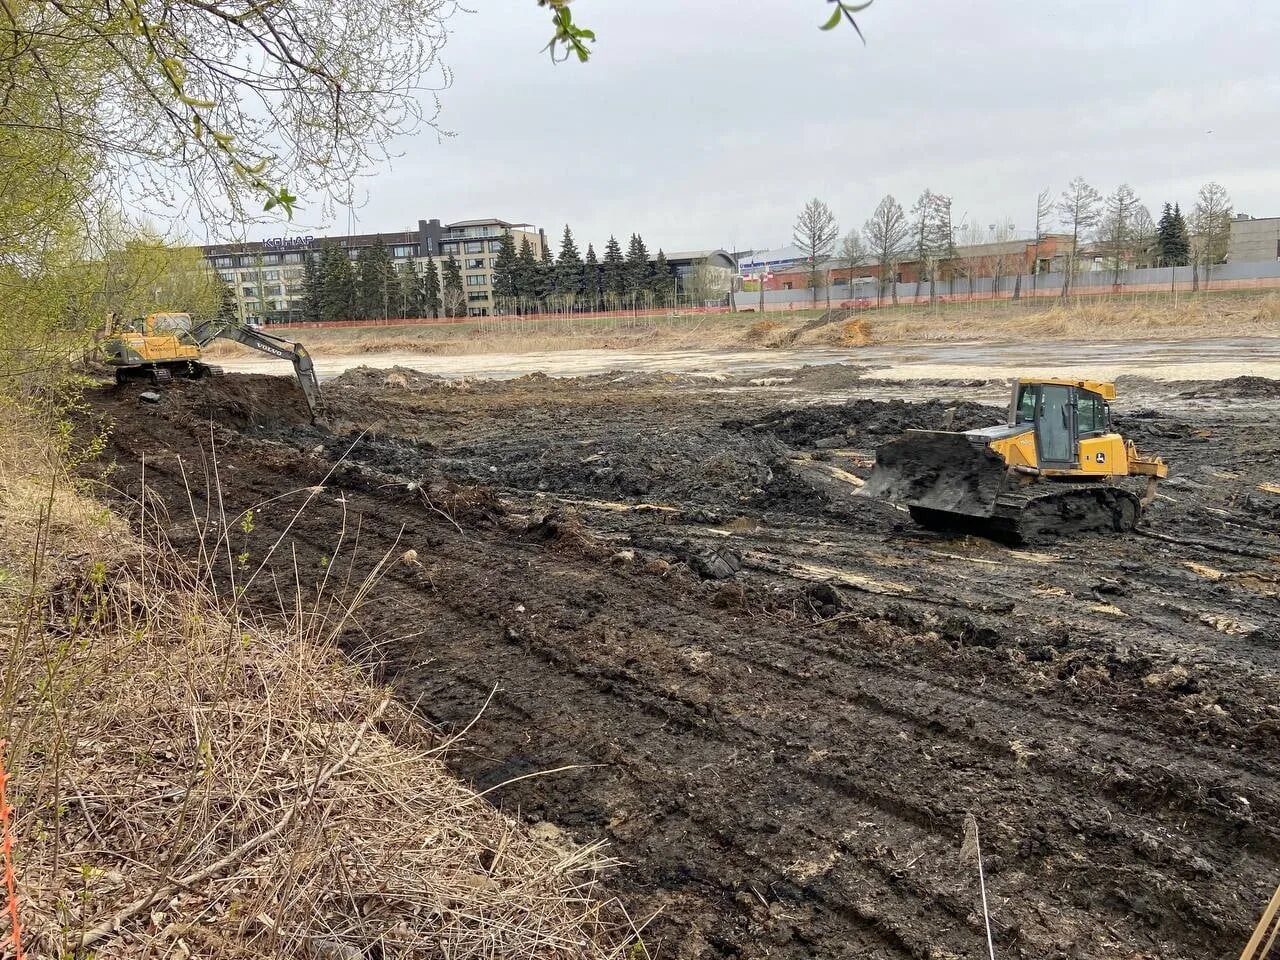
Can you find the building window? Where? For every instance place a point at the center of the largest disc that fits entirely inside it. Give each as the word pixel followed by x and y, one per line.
pixel 475 246
pixel 477 312
pixel 250 291
pixel 224 262
pixel 475 263
pixel 477 280
pixel 406 250
pixel 446 249
pixel 270 274
pixel 228 275
pixel 293 258
pixel 271 258
pixel 271 290
pixel 495 246
pixel 787 285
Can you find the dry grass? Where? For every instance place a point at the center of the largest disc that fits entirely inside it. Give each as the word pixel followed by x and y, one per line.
pixel 186 785
pixel 1144 316
pixel 1154 317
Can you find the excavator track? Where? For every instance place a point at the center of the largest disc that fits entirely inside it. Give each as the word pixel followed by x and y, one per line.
pixel 1041 513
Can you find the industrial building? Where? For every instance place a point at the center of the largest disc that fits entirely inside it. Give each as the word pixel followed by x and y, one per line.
pixel 1253 239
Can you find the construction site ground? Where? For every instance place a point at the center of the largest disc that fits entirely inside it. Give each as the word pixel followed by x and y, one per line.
pixel 673 625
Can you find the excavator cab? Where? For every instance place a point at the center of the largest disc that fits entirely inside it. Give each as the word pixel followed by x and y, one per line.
pixel 1056 465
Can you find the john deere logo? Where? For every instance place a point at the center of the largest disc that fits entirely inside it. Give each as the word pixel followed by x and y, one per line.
pixel 1102 458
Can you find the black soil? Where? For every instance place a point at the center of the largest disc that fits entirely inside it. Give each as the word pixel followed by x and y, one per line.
pixel 778 701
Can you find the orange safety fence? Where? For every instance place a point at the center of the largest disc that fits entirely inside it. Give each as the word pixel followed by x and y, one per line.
pixel 6 855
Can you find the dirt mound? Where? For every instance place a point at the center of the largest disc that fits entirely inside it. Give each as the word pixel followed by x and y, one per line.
pixel 684 465
pixel 238 400
pixel 380 378
pixel 1243 388
pixel 866 422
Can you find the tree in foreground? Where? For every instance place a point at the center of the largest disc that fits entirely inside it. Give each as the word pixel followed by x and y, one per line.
pixel 1078 209
pixel 815 233
pixel 887 231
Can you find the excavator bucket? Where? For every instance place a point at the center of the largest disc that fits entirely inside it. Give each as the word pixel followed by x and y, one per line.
pixel 939 472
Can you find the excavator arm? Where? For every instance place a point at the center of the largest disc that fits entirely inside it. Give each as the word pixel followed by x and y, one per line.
pixel 205 333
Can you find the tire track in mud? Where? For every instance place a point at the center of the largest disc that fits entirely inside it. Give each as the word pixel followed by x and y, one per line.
pixel 860 801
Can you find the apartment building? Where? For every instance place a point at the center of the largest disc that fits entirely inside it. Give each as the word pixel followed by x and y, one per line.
pixel 266 275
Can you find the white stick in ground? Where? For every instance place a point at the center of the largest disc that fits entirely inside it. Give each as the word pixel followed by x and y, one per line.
pixel 972 848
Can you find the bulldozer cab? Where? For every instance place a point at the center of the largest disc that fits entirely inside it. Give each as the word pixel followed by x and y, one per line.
pixel 1063 413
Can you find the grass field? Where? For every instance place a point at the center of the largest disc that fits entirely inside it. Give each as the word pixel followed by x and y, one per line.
pixel 1141 317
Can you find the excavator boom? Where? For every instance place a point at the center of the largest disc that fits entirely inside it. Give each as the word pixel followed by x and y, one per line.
pixel 303 369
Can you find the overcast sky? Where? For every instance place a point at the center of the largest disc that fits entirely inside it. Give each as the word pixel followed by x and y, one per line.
pixel 708 123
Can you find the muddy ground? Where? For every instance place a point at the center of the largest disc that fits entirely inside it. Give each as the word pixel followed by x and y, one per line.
pixel 778 701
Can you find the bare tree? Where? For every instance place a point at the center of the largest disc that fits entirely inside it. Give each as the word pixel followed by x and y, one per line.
pixel 1116 232
pixel 972 260
pixel 1211 228
pixel 934 237
pixel 887 232
pixel 1078 206
pixel 1144 237
pixel 853 253
pixel 1044 210
pixel 706 282
pixel 921 237
pixel 1004 258
pixel 815 234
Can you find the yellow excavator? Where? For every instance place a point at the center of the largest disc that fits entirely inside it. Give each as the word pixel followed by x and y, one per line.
pixel 162 346
pixel 1056 467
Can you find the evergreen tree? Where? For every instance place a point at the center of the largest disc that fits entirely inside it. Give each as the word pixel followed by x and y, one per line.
pixel 375 282
pixel 613 272
pixel 591 280
pixel 1173 246
pixel 409 291
pixel 431 301
pixel 1181 247
pixel 546 277
pixel 337 285
pixel 637 267
pixel 569 270
pixel 660 281
pixel 526 276
pixel 227 307
pixel 505 265
pixel 310 288
pixel 455 300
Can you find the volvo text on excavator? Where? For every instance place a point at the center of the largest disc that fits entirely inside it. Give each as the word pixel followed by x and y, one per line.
pixel 166 345
pixel 1056 467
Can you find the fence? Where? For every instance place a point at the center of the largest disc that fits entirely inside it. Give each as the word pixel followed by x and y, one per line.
pixel 1226 276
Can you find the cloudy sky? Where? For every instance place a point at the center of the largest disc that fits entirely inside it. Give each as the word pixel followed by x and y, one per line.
pixel 708 123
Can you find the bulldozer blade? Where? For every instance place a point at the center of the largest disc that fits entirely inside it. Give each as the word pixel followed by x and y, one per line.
pixel 938 471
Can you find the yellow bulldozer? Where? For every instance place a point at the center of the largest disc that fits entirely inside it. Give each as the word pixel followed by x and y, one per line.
pixel 162 346
pixel 1056 467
